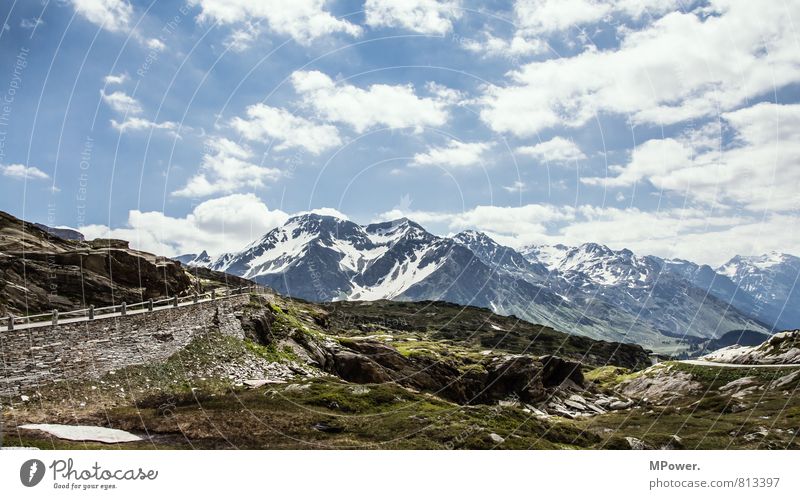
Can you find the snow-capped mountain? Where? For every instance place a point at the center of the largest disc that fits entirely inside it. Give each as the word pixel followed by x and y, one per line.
pixel 195 260
pixel 646 288
pixel 548 255
pixel 589 289
pixel 772 280
pixel 502 258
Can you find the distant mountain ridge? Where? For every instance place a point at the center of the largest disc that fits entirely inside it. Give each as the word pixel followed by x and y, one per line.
pixel 589 289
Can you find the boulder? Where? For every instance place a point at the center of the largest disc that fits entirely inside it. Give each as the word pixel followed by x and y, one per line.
pixel 556 370
pixel 515 375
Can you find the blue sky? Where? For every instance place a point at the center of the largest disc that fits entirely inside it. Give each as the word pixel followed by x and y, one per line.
pixel 668 127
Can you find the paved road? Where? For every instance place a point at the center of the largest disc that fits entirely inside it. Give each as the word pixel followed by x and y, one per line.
pixel 708 363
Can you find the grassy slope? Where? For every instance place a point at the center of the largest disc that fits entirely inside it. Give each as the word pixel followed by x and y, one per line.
pixel 187 402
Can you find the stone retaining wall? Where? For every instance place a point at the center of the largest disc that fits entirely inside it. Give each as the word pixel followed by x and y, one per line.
pixel 29 357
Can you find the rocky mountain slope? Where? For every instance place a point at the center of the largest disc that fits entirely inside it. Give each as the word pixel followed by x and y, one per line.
pixel 589 290
pixel 782 348
pixel 772 280
pixel 40 271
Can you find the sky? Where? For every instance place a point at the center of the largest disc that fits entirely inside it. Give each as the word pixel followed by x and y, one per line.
pixel 668 127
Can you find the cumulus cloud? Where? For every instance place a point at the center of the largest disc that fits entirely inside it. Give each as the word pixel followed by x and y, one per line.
pixel 23 172
pixel 431 17
pixel 556 150
pixel 508 224
pixel 115 79
pixel 453 154
pixel 395 106
pixel 217 225
pixel 549 16
pixel 264 123
pixel 517 46
pixel 702 235
pixel 113 15
pixel 681 66
pixel 226 167
pixel 328 212
pixel 518 186
pixel 121 102
pixel 155 44
pixel 303 20
pixel 536 20
pixel 545 16
pixel 757 169
pixel 134 124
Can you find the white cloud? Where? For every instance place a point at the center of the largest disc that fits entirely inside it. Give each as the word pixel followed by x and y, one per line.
pixel 535 20
pixel 507 224
pixel 681 66
pixel 217 225
pixel 455 154
pixel 135 124
pixel 655 160
pixel 31 23
pixel 647 8
pixel 303 20
pixel 264 122
pixel 700 235
pixel 518 186
pixel 226 168
pixel 155 44
pixel 115 79
pixel 492 46
pixel 557 150
pixel 431 17
pixel 121 102
pixel 328 212
pixel 23 172
pixel 444 94
pixel 113 15
pixel 242 38
pixel 759 169
pixel 395 106
pixel 541 17
pixel 546 16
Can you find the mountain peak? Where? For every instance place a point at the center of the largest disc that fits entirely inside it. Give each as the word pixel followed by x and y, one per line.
pixel 402 227
pixel 474 235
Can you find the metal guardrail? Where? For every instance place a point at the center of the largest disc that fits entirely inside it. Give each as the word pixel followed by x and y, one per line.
pixel 87 314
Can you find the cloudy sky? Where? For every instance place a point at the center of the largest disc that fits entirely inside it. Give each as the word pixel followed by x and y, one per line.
pixel 668 127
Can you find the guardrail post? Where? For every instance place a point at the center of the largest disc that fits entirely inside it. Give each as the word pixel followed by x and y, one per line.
pixel 150 305
pixel 123 309
pixel 174 301
pixel 91 312
pixel 213 294
pixel 11 323
pixel 55 317
pixel 194 298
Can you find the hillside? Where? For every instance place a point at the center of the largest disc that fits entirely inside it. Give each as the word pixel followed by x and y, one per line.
pixel 782 348
pixel 40 271
pixel 391 375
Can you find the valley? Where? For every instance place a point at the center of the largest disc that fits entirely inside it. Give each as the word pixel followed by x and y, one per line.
pixel 262 370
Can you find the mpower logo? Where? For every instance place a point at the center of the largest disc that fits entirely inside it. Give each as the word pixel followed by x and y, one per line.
pixel 31 472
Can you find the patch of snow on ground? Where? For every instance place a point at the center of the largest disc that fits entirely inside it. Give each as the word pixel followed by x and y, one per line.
pixel 84 433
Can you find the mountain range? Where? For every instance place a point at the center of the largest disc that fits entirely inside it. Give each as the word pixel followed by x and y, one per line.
pixel 589 289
